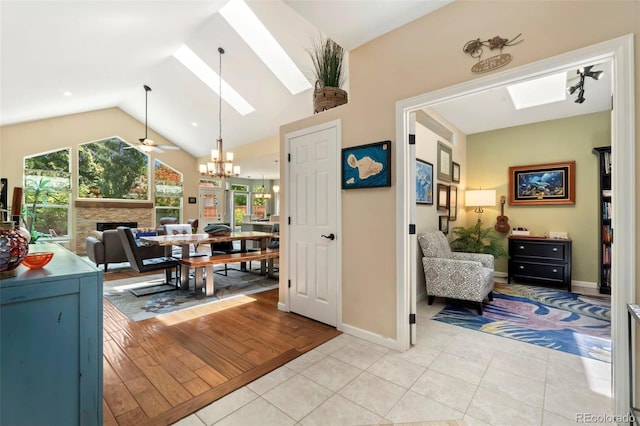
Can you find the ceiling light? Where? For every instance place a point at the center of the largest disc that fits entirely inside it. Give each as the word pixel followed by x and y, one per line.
pixel 583 72
pixel 258 37
pixel 539 91
pixel 221 165
pixel 209 77
pixel 194 124
pixel 262 192
pixel 68 93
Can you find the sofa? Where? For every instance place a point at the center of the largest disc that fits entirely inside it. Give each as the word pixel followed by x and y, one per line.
pixel 105 247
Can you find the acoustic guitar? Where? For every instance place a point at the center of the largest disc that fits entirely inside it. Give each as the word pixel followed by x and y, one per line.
pixel 503 221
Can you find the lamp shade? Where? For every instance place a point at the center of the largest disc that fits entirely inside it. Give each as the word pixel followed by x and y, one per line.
pixel 480 197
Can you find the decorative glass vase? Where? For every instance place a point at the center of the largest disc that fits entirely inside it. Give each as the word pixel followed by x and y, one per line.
pixel 14 246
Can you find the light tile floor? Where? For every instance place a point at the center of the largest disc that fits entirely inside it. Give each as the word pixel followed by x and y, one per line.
pixel 451 373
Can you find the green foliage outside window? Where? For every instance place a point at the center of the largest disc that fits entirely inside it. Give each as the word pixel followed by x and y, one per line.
pixel 47 194
pixel 168 199
pixel 111 168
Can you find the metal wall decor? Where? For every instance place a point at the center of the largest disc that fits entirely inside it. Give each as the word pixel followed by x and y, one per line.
pixel 474 49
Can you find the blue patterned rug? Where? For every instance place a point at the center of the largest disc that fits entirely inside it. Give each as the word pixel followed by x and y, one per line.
pixel 555 319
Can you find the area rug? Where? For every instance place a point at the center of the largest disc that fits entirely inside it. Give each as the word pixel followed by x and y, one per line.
pixel 555 319
pixel 235 284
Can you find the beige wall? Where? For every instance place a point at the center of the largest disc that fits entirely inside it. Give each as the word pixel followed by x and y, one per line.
pixel 420 57
pixel 427 216
pixel 30 138
pixel 572 139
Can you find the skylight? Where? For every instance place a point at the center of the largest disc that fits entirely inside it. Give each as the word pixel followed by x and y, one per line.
pixel 256 35
pixel 540 91
pixel 211 78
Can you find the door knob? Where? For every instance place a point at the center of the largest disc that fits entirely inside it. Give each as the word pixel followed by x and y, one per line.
pixel 329 237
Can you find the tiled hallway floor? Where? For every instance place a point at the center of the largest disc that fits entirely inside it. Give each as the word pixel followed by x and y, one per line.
pixel 451 373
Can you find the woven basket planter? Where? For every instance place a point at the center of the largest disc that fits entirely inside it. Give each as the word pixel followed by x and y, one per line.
pixel 325 98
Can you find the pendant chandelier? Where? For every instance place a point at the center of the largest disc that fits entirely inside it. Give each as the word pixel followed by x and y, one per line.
pixel 221 165
pixel 263 194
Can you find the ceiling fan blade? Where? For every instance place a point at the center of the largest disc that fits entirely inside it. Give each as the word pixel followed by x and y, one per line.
pixel 169 147
pixel 158 150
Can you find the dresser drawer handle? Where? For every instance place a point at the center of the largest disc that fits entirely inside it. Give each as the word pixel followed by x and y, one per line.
pixel 555 270
pixel 521 267
pixel 555 249
pixel 521 247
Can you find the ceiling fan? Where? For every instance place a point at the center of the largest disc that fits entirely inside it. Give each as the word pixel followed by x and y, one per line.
pixel 146 144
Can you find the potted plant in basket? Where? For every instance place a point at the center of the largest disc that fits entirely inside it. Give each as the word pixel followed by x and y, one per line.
pixel 327 57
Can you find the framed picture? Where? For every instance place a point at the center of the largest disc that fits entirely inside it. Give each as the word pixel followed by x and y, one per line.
pixel 443 197
pixel 455 172
pixel 545 184
pixel 444 224
pixel 366 166
pixel 444 162
pixel 453 203
pixel 424 182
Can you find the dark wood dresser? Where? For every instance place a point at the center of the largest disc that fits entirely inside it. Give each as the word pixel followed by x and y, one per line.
pixel 540 260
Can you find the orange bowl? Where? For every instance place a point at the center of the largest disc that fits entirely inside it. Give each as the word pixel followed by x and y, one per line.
pixel 37 260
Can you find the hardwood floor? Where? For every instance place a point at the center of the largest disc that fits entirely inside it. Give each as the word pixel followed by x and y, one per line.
pixel 160 370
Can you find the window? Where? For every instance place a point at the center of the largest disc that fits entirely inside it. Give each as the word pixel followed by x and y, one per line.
pixel 259 201
pixel 47 194
pixel 240 203
pixel 111 168
pixel 168 202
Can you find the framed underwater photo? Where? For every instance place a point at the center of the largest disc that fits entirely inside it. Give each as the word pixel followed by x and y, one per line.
pixel 550 183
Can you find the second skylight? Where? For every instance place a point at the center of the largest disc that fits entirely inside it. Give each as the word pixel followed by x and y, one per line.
pixel 258 37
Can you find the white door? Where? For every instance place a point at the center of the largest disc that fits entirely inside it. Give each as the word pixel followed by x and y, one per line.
pixel 211 206
pixel 314 238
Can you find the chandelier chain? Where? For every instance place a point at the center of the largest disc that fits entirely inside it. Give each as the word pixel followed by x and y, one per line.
pixel 221 51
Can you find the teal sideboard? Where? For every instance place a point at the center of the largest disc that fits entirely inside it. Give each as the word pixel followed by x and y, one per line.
pixel 51 343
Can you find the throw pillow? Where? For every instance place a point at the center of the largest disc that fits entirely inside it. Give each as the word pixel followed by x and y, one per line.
pixel 144 234
pixel 96 234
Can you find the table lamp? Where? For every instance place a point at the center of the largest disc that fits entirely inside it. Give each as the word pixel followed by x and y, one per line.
pixel 480 198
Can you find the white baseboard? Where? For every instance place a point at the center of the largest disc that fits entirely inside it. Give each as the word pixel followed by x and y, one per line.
pixel 282 307
pixel 585 284
pixel 369 336
pixel 500 274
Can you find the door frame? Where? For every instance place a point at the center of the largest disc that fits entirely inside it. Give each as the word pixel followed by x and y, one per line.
pixel 620 52
pixel 337 124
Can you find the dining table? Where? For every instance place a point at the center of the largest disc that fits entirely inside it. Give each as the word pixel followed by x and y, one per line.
pixel 185 240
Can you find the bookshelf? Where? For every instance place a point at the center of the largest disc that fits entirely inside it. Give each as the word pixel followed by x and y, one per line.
pixel 605 215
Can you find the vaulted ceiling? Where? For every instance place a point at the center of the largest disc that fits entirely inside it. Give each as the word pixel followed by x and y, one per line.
pixel 103 52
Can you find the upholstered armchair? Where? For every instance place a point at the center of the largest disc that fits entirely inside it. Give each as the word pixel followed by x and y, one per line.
pixel 463 276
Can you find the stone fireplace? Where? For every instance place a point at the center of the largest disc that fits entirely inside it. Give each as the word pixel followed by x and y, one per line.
pixel 90 213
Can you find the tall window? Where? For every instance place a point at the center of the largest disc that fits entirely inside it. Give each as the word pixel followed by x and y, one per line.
pixel 168 202
pixel 47 194
pixel 259 202
pixel 111 168
pixel 240 202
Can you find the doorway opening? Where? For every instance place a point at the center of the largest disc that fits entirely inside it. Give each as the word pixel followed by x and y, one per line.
pixel 620 52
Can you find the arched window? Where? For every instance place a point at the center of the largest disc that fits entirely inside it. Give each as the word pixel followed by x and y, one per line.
pixel 111 168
